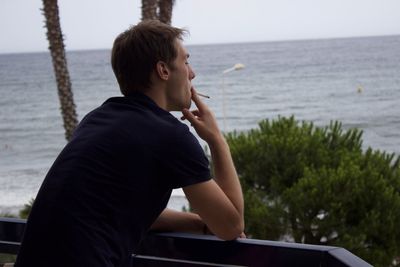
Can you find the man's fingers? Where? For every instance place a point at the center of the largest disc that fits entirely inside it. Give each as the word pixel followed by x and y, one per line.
pixel 196 113
pixel 189 116
pixel 196 99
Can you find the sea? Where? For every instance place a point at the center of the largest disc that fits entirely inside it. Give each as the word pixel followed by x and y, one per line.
pixel 352 80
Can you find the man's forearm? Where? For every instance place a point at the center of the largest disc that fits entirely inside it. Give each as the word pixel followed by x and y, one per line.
pixel 225 173
pixel 177 221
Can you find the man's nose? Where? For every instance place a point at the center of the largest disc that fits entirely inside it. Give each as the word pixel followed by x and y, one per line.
pixel 191 74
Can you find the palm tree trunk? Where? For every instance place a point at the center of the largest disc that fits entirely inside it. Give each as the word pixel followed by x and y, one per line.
pixel 149 9
pixel 165 10
pixel 56 47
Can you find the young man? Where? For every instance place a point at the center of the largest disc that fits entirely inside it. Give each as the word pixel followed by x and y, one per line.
pixel 111 183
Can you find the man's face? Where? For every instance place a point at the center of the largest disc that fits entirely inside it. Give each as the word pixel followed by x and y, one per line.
pixel 179 84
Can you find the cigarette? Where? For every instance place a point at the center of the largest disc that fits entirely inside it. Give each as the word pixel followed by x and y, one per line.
pixel 206 96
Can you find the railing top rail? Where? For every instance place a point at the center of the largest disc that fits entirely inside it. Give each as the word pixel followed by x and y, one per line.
pixel 252 242
pixel 175 248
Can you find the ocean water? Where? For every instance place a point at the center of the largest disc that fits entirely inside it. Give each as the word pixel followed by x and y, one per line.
pixel 354 80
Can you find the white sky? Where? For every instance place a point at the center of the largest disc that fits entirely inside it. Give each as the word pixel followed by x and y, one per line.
pixel 92 24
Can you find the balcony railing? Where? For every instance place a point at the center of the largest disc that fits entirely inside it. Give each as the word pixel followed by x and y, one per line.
pixel 179 249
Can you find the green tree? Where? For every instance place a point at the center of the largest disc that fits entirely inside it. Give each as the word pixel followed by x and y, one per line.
pixel 316 185
pixel 24 212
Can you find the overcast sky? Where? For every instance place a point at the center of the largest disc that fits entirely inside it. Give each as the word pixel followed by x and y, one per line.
pixel 93 24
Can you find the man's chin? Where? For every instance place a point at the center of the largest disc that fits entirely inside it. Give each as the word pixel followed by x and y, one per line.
pixel 181 107
pixel 187 104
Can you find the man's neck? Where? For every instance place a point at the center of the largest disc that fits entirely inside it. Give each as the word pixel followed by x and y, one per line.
pixel 158 97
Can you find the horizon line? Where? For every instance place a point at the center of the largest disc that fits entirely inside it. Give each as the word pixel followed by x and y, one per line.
pixel 216 43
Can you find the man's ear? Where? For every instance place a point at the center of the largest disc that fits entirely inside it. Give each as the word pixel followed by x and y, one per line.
pixel 162 70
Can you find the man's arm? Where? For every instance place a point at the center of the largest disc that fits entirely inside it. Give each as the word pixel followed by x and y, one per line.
pixel 219 202
pixel 178 221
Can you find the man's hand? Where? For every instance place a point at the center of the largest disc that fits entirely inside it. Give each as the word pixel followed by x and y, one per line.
pixel 203 120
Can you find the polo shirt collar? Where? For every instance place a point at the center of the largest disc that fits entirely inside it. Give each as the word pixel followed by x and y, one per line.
pixel 139 97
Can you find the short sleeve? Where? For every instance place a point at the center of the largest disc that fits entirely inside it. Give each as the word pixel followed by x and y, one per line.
pixel 185 162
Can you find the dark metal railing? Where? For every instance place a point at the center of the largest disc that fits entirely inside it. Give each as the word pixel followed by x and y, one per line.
pixel 179 249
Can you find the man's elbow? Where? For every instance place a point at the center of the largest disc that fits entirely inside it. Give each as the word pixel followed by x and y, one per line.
pixel 231 231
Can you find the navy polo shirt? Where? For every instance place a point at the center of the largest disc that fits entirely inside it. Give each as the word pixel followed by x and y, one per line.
pixel 109 184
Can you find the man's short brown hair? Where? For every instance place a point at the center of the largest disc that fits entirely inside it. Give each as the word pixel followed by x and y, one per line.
pixel 136 52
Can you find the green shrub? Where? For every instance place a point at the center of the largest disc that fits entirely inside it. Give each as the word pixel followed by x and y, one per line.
pixel 24 212
pixel 316 185
pixel 7 258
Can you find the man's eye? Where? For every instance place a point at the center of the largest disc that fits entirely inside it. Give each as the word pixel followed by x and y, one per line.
pixel 187 63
